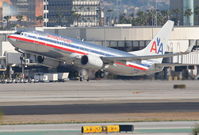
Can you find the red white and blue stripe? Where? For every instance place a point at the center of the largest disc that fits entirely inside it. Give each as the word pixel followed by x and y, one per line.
pixel 78 47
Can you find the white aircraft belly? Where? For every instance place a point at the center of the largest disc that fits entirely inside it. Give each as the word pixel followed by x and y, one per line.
pixel 129 71
pixel 123 70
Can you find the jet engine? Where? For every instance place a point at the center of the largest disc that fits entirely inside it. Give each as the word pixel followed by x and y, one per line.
pixel 91 62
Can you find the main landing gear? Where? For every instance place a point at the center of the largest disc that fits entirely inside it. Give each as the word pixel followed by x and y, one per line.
pixel 99 74
pixel 84 75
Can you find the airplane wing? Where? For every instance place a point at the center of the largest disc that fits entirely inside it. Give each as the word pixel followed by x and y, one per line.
pixel 146 57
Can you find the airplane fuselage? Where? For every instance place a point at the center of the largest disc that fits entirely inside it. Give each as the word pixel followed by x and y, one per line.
pixel 67 49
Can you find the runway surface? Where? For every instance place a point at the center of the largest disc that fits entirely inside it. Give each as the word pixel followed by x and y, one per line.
pixel 101 108
pixel 106 100
pixel 106 91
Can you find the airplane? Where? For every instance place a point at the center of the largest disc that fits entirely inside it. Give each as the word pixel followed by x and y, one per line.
pixel 96 58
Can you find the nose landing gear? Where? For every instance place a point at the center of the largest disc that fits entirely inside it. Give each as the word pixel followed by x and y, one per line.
pixel 84 75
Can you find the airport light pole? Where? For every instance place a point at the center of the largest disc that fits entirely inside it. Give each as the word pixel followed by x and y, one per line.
pixel 156 16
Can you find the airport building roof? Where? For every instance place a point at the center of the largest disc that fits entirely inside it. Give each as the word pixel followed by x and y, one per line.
pixel 122 33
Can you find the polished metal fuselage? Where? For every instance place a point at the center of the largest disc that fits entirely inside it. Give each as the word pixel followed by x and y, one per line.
pixel 66 49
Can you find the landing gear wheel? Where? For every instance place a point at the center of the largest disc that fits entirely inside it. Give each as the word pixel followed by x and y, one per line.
pixel 102 74
pixel 99 75
pixel 83 75
pixel 81 79
pixel 40 59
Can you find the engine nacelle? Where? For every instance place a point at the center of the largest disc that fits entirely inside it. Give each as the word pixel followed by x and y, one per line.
pixel 91 62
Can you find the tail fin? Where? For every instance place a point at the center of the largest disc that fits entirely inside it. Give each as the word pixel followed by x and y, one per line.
pixel 158 45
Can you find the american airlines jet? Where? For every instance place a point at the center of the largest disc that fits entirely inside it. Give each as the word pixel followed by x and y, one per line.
pixel 93 57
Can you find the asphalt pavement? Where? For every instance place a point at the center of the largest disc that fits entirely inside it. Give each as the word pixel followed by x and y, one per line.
pixel 101 108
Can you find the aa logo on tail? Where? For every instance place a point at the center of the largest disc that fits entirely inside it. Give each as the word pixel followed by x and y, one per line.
pixel 157 47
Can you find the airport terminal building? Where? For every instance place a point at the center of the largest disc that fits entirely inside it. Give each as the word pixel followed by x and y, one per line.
pixel 123 38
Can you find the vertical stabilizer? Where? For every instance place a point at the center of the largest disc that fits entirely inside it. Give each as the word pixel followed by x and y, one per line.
pixel 158 45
